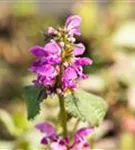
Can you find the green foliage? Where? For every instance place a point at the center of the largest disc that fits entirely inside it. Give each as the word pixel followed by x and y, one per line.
pixel 34 96
pixel 86 107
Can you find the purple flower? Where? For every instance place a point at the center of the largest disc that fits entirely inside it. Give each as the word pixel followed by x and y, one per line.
pixel 50 48
pixel 46 70
pixel 46 128
pixel 74 31
pixel 45 66
pixel 83 61
pixel 81 138
pixel 49 131
pixel 79 49
pixel 72 24
pixel 69 77
pixel 74 72
pixel 38 51
pixel 73 21
pixel 46 73
pixel 58 143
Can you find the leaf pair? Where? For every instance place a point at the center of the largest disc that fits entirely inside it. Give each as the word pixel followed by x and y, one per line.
pixel 80 104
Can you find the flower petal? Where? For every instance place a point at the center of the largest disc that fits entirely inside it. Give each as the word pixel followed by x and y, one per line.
pixel 79 49
pixel 44 141
pixel 57 146
pixel 69 73
pixel 36 64
pixel 46 128
pixel 82 134
pixel 64 141
pixel 74 31
pixel 53 59
pixel 46 70
pixel 80 141
pixel 48 81
pixel 38 51
pixel 69 84
pixel 73 21
pixel 83 61
pixel 69 77
pixel 52 47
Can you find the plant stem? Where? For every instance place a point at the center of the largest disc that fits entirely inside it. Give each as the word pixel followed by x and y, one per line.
pixel 63 116
pixel 75 126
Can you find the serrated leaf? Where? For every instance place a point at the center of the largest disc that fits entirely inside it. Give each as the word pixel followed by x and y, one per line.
pixel 86 107
pixel 34 96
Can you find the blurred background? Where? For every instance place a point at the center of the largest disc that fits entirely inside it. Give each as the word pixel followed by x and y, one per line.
pixel 108 32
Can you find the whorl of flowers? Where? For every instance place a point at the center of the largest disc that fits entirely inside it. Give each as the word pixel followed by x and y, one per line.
pixel 59 64
pixel 57 142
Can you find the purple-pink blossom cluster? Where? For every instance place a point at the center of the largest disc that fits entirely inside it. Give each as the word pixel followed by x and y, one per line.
pixel 59 64
pixel 56 142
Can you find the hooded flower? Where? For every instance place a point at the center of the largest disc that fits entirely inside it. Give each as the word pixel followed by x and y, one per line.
pixel 80 139
pixel 50 48
pixel 49 131
pixel 74 72
pixel 45 66
pixel 56 142
pixel 72 25
pixel 79 49
pixel 69 77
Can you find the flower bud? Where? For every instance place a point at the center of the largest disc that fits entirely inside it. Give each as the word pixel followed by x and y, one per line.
pixel 62 44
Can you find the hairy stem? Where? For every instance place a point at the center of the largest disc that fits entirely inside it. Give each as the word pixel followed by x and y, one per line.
pixel 63 116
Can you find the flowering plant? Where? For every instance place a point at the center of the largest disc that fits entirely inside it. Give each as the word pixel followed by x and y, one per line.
pixel 58 67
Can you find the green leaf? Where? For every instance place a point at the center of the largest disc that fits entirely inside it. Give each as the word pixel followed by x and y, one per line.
pixel 86 107
pixel 34 96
